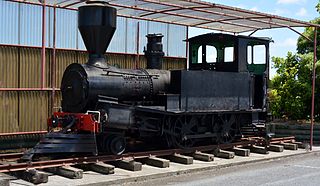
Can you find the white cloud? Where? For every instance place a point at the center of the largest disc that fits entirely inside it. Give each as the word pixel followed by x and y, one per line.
pixel 290 1
pixel 302 12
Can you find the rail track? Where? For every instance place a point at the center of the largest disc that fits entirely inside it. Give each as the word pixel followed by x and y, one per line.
pixel 30 170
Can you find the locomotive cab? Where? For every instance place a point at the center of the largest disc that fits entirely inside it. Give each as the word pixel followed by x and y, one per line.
pixel 230 53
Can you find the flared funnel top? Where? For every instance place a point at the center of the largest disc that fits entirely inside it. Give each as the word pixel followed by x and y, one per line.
pixel 97 24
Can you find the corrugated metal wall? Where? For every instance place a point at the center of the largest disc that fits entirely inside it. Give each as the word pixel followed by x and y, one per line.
pixel 33 110
pixel 30 68
pixel 8 67
pixel 21 68
pixel 9 111
pixel 23 27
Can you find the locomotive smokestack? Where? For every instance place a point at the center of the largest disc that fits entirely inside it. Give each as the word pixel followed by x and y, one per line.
pixel 154 52
pixel 97 24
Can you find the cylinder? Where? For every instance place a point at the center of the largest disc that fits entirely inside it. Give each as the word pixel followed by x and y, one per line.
pixel 154 52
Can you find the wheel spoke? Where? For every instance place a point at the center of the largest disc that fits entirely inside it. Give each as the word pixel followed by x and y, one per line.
pixel 229 128
pixel 180 130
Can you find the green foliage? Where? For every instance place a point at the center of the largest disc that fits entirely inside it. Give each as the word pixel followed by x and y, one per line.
pixel 291 86
pixel 305 46
pixel 291 92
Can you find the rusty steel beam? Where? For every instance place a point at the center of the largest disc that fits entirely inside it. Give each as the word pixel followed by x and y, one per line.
pixel 213 5
pixel 160 11
pixel 208 11
pixel 22 133
pixel 27 89
pixel 61 2
pixel 187 48
pixel 67 49
pixel 74 3
pixel 137 61
pixel 132 17
pixel 43 48
pixel 232 15
pixel 302 35
pixel 306 24
pixel 171 22
pixel 53 66
pixel 222 20
pixel 253 33
pixel 313 85
pixel 180 15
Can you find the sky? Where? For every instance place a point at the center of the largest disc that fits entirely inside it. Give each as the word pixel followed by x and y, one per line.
pixel 284 39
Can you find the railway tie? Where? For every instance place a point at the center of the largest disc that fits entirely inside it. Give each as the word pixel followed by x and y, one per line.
pixel 73 168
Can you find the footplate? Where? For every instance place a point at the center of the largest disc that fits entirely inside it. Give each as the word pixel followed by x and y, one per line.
pixel 59 143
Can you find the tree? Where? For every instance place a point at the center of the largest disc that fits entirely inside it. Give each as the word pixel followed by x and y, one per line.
pixel 291 87
pixel 305 46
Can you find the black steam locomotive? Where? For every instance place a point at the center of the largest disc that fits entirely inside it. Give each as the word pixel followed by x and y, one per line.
pixel 217 100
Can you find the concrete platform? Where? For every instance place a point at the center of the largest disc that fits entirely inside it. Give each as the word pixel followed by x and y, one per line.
pixel 148 172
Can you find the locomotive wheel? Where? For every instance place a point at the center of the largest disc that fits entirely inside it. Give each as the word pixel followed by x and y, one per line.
pixel 181 129
pixel 116 145
pixel 229 129
pixel 105 145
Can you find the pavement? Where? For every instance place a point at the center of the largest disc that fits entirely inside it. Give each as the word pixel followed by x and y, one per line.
pixel 302 170
pixel 150 173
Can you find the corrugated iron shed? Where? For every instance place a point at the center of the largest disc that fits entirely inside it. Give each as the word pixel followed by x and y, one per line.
pixel 192 13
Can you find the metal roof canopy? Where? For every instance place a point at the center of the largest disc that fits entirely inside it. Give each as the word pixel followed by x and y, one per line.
pixel 194 13
pixel 191 13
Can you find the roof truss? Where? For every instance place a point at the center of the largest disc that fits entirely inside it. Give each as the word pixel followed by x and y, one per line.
pixel 191 13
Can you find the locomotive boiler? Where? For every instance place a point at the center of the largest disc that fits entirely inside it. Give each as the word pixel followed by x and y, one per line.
pixel 218 99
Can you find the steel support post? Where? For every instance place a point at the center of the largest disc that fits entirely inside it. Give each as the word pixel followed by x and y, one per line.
pixel 138 46
pixel 187 45
pixel 43 48
pixel 53 67
pixel 313 84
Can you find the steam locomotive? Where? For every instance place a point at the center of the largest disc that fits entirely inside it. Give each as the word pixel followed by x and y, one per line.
pixel 215 100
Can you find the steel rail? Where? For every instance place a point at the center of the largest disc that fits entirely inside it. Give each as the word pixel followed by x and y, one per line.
pixel 11 167
pixel 10 156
